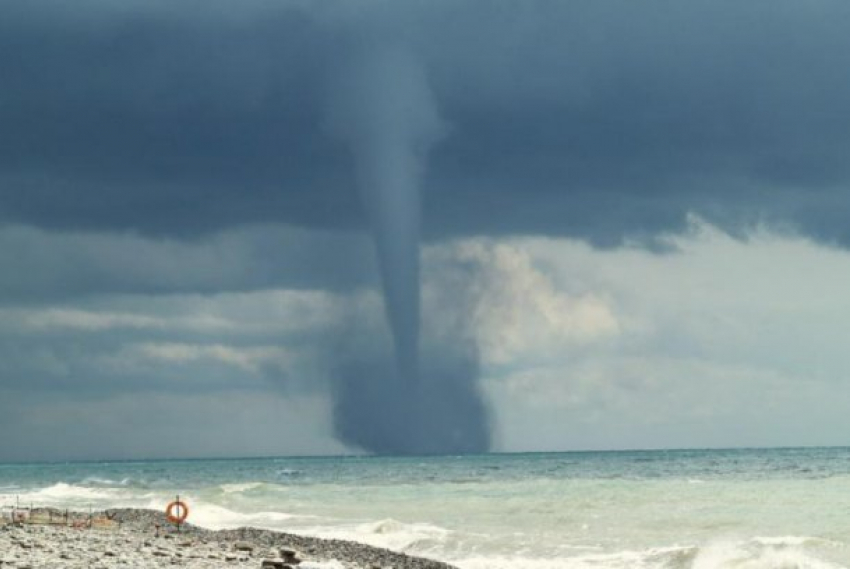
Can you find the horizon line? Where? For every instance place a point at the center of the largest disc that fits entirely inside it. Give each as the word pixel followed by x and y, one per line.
pixel 364 455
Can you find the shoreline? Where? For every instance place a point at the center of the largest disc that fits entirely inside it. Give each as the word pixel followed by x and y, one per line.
pixel 132 537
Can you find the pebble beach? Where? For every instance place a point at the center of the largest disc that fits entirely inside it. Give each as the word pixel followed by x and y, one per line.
pixel 709 509
pixel 128 538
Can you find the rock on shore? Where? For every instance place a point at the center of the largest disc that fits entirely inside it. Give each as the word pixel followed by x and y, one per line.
pixel 143 538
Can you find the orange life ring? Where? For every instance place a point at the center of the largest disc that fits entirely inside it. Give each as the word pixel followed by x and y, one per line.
pixel 182 512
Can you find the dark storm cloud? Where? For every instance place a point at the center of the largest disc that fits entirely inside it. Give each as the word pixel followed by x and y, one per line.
pixel 52 266
pixel 151 147
pixel 601 120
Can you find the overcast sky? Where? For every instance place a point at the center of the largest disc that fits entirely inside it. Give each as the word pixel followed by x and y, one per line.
pixel 636 213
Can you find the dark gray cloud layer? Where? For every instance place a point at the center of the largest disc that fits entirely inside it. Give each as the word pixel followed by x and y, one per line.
pixel 53 266
pixel 601 120
pixel 152 146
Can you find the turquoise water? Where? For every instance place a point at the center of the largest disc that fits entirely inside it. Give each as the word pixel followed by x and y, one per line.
pixel 781 508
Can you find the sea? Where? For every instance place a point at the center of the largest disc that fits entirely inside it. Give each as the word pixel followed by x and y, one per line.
pixel 700 509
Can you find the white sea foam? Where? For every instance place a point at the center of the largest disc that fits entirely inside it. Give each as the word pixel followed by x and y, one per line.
pixel 77 497
pixel 662 557
pixel 732 555
pixel 700 511
pixel 791 541
pixel 243 487
pixel 466 550
pixel 761 553
pixel 62 492
pixel 106 482
pixel 416 538
pixel 212 516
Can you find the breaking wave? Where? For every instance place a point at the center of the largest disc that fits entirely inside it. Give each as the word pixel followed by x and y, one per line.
pixel 496 512
pixel 467 550
pixel 775 553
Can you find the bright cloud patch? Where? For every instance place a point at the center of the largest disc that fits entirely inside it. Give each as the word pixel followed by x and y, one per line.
pixel 521 315
pixel 721 342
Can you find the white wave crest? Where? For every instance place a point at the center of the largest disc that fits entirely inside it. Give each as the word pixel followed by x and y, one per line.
pixel 758 553
pixel 106 482
pixel 217 517
pixel 62 493
pixel 242 487
pixel 415 538
pixel 660 557
pixel 762 553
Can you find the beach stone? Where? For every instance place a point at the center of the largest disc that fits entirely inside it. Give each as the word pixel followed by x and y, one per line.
pixel 135 547
pixel 290 556
pixel 243 546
